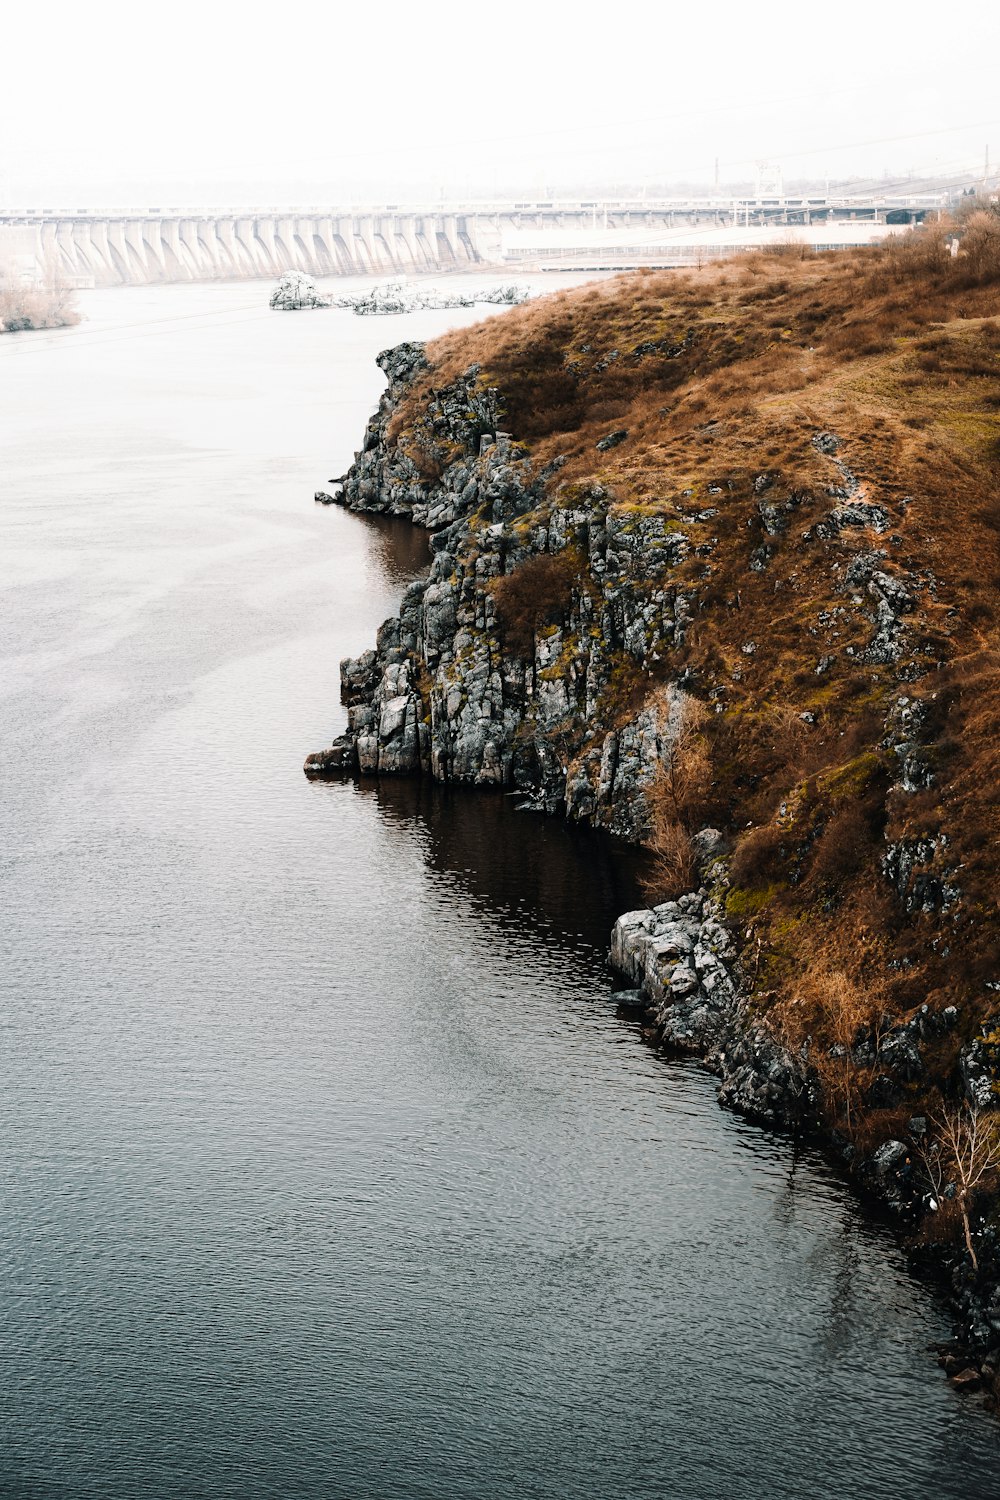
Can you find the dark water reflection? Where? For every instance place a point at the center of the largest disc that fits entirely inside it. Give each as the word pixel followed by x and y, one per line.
pixel 517 865
pixel 327 1168
pixel 401 550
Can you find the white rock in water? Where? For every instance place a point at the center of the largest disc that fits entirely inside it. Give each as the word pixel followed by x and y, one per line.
pixel 511 293
pixel 296 290
pixel 394 297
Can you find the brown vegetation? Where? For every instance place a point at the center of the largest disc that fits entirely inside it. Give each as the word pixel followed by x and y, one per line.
pixel 963 1148
pixel 838 1002
pixel 677 801
pixel 537 593
pixel 48 304
pixel 723 378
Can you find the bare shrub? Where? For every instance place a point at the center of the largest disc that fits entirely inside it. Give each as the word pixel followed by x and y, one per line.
pixel 979 251
pixel 674 868
pixel 684 777
pixel 536 593
pixel 45 304
pixel 841 848
pixel 676 801
pixel 963 1148
pixel 428 461
pixel 759 856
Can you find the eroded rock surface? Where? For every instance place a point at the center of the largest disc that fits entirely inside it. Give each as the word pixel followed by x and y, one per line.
pixel 441 693
pixel 681 958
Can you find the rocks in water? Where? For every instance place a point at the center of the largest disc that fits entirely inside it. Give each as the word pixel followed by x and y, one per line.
pixel 507 294
pixel 389 298
pixel 681 958
pixel 296 291
pixel 385 299
pixel 339 759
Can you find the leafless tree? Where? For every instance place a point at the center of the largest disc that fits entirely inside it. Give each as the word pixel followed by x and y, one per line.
pixel 684 772
pixel 964 1148
pixel 674 797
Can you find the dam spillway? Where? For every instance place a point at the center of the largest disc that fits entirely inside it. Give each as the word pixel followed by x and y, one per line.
pixel 87 248
pixel 144 247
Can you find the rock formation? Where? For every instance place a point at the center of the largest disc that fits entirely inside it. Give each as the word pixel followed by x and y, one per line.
pixel 394 297
pixel 295 291
pixel 728 634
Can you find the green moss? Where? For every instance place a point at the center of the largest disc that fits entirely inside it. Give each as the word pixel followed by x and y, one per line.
pixel 853 779
pixel 744 902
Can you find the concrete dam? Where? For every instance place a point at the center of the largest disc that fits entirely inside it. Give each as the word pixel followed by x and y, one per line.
pixel 134 246
pixel 129 249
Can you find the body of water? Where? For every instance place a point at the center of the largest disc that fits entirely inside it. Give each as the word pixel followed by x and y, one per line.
pixel 326 1168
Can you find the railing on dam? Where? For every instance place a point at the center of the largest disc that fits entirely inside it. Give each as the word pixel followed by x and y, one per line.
pixel 505 207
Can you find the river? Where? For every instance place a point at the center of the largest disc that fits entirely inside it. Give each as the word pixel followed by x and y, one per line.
pixel 326 1167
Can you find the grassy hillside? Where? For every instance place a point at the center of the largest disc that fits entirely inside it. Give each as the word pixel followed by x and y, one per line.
pixel 825 430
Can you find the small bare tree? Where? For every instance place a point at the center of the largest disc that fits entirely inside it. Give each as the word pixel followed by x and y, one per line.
pixel 964 1149
pixel 682 780
pixel 684 772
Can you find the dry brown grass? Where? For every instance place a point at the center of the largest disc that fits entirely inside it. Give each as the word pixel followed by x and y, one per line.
pixel 722 378
pixel 837 1004
pixel 678 800
pixel 674 866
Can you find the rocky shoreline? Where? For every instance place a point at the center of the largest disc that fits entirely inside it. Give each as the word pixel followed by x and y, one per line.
pixel 441 694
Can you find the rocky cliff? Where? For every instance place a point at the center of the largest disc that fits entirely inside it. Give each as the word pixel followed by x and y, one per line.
pixel 443 693
pixel 709 557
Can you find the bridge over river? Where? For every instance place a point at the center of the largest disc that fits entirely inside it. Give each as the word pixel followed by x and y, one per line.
pixel 139 245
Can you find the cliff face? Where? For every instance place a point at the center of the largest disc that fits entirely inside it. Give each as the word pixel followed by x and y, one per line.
pixel 530 691
pixel 714 567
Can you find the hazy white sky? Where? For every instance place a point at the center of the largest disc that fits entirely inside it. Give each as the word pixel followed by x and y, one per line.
pixel 109 100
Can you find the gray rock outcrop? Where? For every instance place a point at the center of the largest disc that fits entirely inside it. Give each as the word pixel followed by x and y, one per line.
pixel 296 291
pixel 443 692
pixel 681 959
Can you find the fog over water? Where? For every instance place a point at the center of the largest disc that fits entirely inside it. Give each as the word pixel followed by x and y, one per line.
pixel 327 1168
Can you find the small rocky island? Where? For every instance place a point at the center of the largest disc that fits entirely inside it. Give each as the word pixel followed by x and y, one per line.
pixel 715 567
pixel 296 291
pixel 391 297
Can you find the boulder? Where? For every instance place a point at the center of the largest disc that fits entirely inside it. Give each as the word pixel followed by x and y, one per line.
pixel 340 759
pixel 296 291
